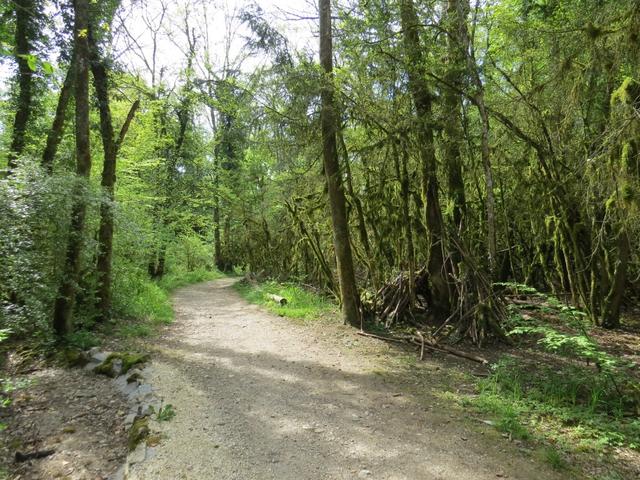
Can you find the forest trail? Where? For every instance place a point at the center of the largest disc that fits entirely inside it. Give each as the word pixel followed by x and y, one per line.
pixel 258 397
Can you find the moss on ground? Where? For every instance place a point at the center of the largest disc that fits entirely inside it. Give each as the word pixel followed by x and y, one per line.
pixel 138 433
pixel 73 357
pixel 129 360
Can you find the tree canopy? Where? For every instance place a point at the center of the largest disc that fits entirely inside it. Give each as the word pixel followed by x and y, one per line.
pixel 427 153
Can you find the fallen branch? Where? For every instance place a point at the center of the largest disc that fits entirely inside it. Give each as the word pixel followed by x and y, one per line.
pixel 450 350
pixel 24 457
pixel 380 337
pixel 423 343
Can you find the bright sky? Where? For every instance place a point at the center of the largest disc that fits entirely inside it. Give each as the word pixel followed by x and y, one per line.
pixel 215 28
pixel 296 19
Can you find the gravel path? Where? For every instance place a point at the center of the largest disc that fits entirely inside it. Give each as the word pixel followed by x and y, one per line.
pixel 260 398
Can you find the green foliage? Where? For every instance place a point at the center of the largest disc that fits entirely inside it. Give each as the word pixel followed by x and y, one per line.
pixel 574 397
pixel 146 301
pixel 573 405
pixel 175 280
pixel 554 458
pixel 4 401
pixel 144 305
pixel 135 329
pixel 165 413
pixel 302 304
pixel 82 339
pixel 33 229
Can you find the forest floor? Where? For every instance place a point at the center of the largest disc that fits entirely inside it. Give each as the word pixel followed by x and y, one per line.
pixel 260 397
pixel 76 414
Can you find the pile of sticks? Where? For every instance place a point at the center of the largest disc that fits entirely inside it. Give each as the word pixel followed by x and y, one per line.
pixel 477 310
pixel 400 299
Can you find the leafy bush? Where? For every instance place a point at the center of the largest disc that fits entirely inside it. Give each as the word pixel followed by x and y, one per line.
pixel 189 253
pixel 82 339
pixel 33 229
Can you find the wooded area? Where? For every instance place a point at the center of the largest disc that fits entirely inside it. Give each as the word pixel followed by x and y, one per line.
pixel 463 144
pixel 431 165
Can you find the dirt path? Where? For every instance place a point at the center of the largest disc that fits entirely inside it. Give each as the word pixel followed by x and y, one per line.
pixel 259 398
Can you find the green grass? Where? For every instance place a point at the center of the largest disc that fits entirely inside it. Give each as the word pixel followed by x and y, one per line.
pixel 554 457
pixel 302 304
pixel 572 398
pixel 542 407
pixel 575 398
pixel 149 304
pixel 577 407
pixel 174 280
pixel 83 339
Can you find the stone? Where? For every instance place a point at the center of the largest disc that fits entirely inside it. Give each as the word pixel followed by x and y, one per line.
pixel 75 358
pixel 120 473
pixel 138 455
pixel 120 363
pixel 129 419
pixel 98 356
pixel 138 433
pixel 135 376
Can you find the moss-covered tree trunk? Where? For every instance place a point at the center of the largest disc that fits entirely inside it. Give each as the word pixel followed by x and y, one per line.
pixel 57 128
pixel 458 9
pixel 422 99
pixel 452 102
pixel 337 203
pixel 110 145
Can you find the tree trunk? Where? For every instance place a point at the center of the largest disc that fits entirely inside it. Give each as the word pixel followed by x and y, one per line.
pixel 227 262
pixel 63 309
pixel 55 134
pixel 613 301
pixel 478 95
pixel 111 147
pixel 217 244
pixel 402 174
pixel 440 295
pixel 337 203
pixel 105 233
pixel 362 227
pixel 453 116
pixel 25 13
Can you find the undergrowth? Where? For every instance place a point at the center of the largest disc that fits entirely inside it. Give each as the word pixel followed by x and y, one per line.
pixel 302 304
pixel 150 306
pixel 174 280
pixel 141 306
pixel 574 397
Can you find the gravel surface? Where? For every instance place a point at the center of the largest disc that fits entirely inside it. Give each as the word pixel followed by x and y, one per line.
pixel 258 397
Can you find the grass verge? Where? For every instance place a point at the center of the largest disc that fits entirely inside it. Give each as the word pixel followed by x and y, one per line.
pixel 302 305
pixel 141 307
pixel 561 389
pixel 151 306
